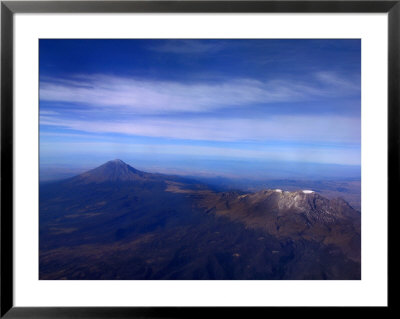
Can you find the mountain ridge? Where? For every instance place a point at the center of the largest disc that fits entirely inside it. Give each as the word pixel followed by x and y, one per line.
pixel 117 170
pixel 116 221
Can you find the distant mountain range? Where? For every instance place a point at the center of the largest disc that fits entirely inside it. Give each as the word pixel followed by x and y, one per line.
pixel 116 222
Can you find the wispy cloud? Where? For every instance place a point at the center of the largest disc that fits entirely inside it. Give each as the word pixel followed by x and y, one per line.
pixel 48 112
pixel 152 97
pixel 284 128
pixel 334 80
pixel 188 46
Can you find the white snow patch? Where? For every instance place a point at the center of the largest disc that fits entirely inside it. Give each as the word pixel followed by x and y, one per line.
pixel 307 191
pixel 278 190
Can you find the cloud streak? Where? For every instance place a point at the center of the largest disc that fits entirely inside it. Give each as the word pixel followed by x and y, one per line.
pixel 279 128
pixel 159 97
pixel 188 47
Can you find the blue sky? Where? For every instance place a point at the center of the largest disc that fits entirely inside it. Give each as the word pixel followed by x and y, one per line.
pixel 216 107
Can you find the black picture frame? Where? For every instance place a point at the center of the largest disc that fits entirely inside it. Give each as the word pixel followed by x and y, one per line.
pixel 9 8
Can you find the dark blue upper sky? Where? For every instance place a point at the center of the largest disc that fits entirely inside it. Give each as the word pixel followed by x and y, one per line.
pixel 286 101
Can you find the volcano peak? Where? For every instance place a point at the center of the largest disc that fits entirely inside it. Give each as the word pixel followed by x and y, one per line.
pixel 117 161
pixel 112 171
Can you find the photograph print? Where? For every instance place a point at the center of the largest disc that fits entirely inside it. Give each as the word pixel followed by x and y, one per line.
pixel 199 159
